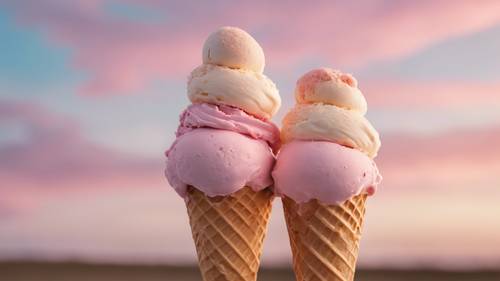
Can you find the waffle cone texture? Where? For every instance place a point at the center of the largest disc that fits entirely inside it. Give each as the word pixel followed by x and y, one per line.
pixel 324 238
pixel 228 232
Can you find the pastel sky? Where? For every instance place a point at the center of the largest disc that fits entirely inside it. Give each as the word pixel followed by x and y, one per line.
pixel 91 90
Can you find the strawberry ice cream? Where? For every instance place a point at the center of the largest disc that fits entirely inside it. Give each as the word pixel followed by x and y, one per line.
pixel 220 149
pixel 325 171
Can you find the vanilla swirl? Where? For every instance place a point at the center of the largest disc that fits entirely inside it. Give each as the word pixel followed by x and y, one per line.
pixel 330 107
pixel 231 74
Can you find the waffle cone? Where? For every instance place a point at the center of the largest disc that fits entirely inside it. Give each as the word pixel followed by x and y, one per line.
pixel 228 232
pixel 324 238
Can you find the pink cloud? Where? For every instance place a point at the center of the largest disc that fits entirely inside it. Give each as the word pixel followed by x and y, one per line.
pixel 56 151
pixel 475 146
pixel 430 94
pixel 54 158
pixel 123 56
pixel 446 161
pixel 438 190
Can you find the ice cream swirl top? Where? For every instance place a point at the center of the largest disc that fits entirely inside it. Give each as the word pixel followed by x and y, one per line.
pixel 231 74
pixel 330 107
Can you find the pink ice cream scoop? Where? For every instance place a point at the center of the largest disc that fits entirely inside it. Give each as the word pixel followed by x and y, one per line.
pixel 221 149
pixel 323 170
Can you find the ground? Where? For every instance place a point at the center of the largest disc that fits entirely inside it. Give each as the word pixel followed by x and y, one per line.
pixel 40 271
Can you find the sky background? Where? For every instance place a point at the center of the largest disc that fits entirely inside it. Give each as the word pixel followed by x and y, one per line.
pixel 91 90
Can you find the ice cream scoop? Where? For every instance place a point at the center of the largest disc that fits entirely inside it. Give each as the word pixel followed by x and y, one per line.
pixel 234 48
pixel 330 123
pixel 251 91
pixel 219 162
pixel 220 149
pixel 325 171
pixel 328 86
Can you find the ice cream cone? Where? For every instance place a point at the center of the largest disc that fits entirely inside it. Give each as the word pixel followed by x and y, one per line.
pixel 324 238
pixel 222 158
pixel 228 232
pixel 324 172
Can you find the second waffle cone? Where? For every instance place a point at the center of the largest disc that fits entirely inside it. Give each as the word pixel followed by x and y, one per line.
pixel 324 238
